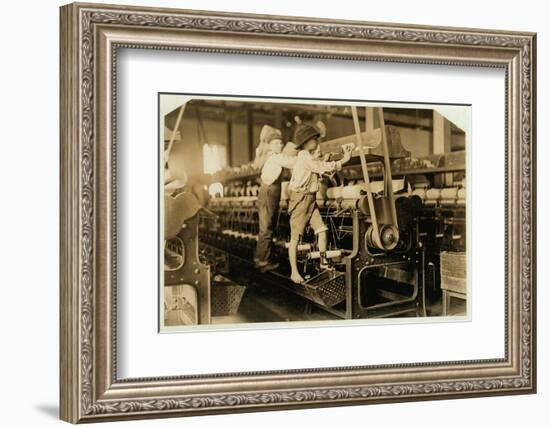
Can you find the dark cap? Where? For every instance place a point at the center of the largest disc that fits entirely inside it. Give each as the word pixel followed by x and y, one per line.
pixel 304 133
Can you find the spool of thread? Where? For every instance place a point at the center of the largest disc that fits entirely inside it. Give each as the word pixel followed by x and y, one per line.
pixel 300 248
pixel 433 194
pixel 349 203
pixel 401 185
pixel 449 193
pixel 420 192
pixel 363 205
pixel 352 192
pixel 334 193
pixel 377 186
pixel 329 254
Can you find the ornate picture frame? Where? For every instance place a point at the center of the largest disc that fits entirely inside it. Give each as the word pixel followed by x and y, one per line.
pixel 90 37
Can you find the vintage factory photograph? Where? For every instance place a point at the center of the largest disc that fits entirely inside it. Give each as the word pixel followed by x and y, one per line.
pixel 311 210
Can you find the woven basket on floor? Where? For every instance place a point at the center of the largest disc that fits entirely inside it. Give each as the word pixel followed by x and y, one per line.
pixel 453 271
pixel 226 297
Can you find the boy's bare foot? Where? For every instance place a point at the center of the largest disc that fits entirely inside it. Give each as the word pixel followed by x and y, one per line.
pixel 296 278
pixel 324 266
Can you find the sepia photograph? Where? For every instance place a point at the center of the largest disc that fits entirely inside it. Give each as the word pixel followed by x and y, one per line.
pixel 304 210
pixel 269 212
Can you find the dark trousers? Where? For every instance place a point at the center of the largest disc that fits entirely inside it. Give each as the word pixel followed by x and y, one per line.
pixel 268 205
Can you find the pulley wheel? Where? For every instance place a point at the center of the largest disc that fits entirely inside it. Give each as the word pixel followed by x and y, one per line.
pixel 389 237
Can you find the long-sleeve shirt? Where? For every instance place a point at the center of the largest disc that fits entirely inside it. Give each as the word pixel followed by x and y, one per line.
pixel 306 172
pixel 274 165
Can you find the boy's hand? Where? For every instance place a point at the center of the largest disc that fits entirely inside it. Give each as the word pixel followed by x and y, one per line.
pixel 348 148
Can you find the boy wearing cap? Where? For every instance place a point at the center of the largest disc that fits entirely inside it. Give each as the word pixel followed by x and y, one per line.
pixel 303 186
pixel 269 197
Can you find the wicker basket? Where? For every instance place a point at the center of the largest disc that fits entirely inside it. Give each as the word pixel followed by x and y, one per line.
pixel 327 288
pixel 453 271
pixel 226 297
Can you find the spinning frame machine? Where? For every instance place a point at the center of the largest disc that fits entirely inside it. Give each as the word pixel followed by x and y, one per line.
pixel 379 242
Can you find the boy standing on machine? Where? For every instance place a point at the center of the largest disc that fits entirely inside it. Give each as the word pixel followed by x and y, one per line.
pixel 303 187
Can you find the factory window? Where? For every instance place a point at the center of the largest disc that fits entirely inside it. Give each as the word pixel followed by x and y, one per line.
pixel 214 158
pixel 215 189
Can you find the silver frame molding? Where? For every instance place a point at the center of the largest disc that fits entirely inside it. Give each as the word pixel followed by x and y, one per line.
pixel 90 36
